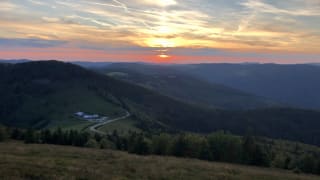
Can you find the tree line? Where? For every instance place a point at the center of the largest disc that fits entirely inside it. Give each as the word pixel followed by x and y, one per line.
pixel 219 146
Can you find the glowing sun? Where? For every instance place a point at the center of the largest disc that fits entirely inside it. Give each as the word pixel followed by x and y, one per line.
pixel 163 56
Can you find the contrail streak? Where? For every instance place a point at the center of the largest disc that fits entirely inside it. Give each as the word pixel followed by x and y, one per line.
pixel 122 5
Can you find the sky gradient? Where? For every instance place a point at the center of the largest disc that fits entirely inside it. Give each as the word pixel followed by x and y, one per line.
pixel 175 31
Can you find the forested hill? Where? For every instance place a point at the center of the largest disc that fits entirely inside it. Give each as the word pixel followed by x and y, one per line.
pixel 185 87
pixel 30 92
pixel 291 84
pixel 294 84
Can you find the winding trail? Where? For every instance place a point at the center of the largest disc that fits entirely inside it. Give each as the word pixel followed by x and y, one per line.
pixel 94 128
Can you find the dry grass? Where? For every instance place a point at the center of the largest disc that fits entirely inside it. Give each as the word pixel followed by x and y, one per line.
pixel 20 161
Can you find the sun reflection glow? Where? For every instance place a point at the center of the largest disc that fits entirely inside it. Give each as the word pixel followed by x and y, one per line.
pixel 163 56
pixel 160 42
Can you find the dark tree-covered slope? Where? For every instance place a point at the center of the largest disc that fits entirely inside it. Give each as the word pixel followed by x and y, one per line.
pixel 296 84
pixel 185 87
pixel 33 93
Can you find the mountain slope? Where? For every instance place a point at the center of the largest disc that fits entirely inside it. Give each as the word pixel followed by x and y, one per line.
pixel 184 87
pixel 28 94
pixel 44 94
pixel 297 85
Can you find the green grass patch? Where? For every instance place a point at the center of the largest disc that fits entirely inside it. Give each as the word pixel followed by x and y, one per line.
pixel 122 126
pixel 57 110
pixel 79 125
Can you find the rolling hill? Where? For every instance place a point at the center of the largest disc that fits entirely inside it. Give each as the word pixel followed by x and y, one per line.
pixel 292 85
pixel 295 84
pixel 185 87
pixel 47 93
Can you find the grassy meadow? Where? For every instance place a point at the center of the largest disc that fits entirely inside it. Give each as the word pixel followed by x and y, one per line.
pixel 22 161
pixel 122 126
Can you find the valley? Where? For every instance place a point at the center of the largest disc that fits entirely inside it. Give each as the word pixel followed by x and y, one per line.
pixel 121 108
pixel 160 89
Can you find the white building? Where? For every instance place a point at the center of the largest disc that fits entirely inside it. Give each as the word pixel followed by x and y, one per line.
pixel 80 114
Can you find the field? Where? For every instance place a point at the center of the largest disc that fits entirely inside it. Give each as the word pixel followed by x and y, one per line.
pixel 63 115
pixel 122 126
pixel 77 124
pixel 21 161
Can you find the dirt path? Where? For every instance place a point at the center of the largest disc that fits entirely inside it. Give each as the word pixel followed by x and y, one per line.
pixel 94 128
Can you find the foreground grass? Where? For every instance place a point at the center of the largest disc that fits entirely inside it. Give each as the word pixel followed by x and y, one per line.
pixel 21 161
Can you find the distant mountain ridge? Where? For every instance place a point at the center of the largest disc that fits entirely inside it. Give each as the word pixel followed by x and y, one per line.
pixel 14 61
pixel 291 84
pixel 37 94
pixel 85 64
pixel 297 84
pixel 186 87
pixel 294 85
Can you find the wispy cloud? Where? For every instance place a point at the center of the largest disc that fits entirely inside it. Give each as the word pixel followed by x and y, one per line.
pixel 261 6
pixel 38 43
pixel 122 5
pixel 245 25
pixel 7 6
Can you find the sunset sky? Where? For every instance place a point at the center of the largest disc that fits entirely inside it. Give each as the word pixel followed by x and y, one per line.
pixel 175 31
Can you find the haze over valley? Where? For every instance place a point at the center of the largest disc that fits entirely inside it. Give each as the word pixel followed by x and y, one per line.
pixel 161 89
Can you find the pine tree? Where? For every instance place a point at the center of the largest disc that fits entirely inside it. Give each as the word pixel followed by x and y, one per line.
pixel 30 136
pixel 3 133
